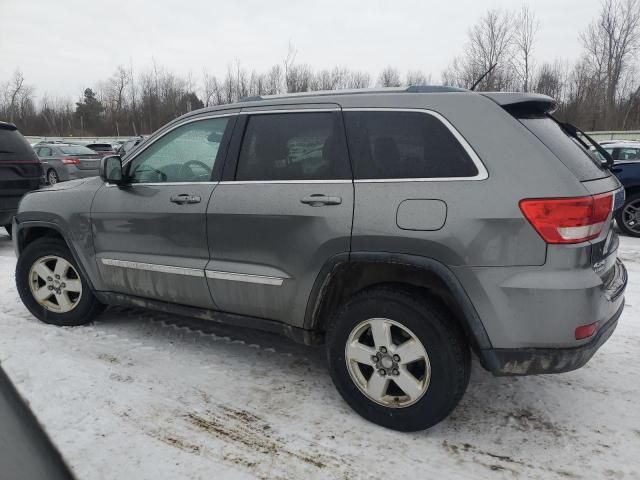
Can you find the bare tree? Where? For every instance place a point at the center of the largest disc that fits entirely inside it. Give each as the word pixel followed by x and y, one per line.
pixel 524 40
pixel 550 80
pixel 611 41
pixel 389 77
pixel 359 80
pixel 418 77
pixel 14 90
pixel 490 43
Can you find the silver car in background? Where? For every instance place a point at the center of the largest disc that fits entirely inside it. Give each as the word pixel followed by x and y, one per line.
pixel 62 161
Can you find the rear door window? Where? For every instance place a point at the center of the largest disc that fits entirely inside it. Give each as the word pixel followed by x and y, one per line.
pixel 293 146
pixel 77 150
pixel 628 154
pixel 583 164
pixel 399 145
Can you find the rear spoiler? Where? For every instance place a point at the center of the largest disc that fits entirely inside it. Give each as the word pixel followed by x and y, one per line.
pixel 523 103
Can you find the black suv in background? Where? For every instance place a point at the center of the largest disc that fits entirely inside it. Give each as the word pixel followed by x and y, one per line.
pixel 20 171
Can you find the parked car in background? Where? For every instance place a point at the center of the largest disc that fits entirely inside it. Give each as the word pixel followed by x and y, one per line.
pixel 622 150
pixel 20 171
pixel 396 226
pixel 129 145
pixel 626 167
pixel 102 149
pixel 62 161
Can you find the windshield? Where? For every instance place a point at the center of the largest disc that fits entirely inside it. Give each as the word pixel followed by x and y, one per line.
pixel 582 163
pixel 77 150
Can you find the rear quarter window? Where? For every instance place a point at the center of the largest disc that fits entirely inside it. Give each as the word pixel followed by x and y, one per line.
pixel 13 146
pixel 77 150
pixel 583 164
pixel 398 145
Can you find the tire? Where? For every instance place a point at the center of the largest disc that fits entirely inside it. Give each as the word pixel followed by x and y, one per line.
pixel 84 306
pixel 52 177
pixel 428 320
pixel 626 220
pixel 8 228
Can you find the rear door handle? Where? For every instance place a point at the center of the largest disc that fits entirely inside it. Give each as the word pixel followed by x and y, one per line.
pixel 185 198
pixel 319 200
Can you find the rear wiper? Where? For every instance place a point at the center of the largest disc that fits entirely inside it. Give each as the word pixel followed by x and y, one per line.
pixel 573 132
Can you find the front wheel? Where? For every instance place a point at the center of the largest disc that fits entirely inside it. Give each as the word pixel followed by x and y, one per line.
pixel 628 217
pixel 51 285
pixel 398 358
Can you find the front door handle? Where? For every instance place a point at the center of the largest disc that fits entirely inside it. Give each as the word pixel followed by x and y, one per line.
pixel 185 198
pixel 319 200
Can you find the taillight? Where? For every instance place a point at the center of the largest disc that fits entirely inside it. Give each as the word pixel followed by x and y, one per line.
pixel 71 161
pixel 568 220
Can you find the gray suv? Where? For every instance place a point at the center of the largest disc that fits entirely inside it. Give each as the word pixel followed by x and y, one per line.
pixel 403 228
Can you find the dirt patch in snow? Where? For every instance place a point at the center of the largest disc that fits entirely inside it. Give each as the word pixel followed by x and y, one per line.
pixel 244 428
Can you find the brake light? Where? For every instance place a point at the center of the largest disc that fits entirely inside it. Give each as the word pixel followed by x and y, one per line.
pixel 71 161
pixel 568 220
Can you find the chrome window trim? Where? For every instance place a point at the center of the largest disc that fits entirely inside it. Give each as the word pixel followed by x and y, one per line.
pixel 158 184
pixel 290 110
pixel 153 267
pixel 244 277
pixel 272 182
pixel 186 122
pixel 482 174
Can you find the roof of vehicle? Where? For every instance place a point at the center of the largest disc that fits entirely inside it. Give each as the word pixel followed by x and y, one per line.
pixel 58 144
pixel 508 100
pixel 7 126
pixel 620 143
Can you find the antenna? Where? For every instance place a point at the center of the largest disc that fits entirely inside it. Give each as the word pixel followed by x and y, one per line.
pixel 477 82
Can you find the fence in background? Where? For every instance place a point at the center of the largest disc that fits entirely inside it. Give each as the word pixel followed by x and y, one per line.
pixel 616 135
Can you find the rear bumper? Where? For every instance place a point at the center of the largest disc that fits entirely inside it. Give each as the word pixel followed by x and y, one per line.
pixel 76 173
pixel 533 361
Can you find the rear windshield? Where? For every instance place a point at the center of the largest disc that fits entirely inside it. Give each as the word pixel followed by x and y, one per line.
pixel 582 163
pixel 100 147
pixel 12 142
pixel 77 150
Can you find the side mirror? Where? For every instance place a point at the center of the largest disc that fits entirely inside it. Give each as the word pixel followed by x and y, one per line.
pixel 111 169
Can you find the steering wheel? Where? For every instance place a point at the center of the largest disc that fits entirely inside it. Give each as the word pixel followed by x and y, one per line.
pixel 187 165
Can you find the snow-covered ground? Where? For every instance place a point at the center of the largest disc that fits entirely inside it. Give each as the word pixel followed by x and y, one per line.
pixel 136 395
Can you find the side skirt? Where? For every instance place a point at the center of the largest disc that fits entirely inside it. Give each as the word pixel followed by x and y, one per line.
pixel 299 335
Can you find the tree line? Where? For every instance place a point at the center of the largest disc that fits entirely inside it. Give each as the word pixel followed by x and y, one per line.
pixel 599 90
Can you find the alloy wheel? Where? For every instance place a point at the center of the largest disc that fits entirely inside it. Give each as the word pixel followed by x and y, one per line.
pixel 52 177
pixel 387 362
pixel 55 284
pixel 631 216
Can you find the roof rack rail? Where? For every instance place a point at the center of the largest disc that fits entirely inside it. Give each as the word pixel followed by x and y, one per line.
pixel 362 91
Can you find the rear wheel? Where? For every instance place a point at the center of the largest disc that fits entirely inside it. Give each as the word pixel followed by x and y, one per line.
pixel 398 358
pixel 52 177
pixel 628 217
pixel 51 285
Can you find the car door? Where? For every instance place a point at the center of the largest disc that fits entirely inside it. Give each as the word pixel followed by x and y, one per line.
pixel 150 236
pixel 284 209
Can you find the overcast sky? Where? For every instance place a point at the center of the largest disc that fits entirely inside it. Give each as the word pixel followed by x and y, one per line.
pixel 63 46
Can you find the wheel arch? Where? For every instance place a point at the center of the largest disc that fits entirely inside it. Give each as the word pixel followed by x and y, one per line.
pixel 344 275
pixel 25 233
